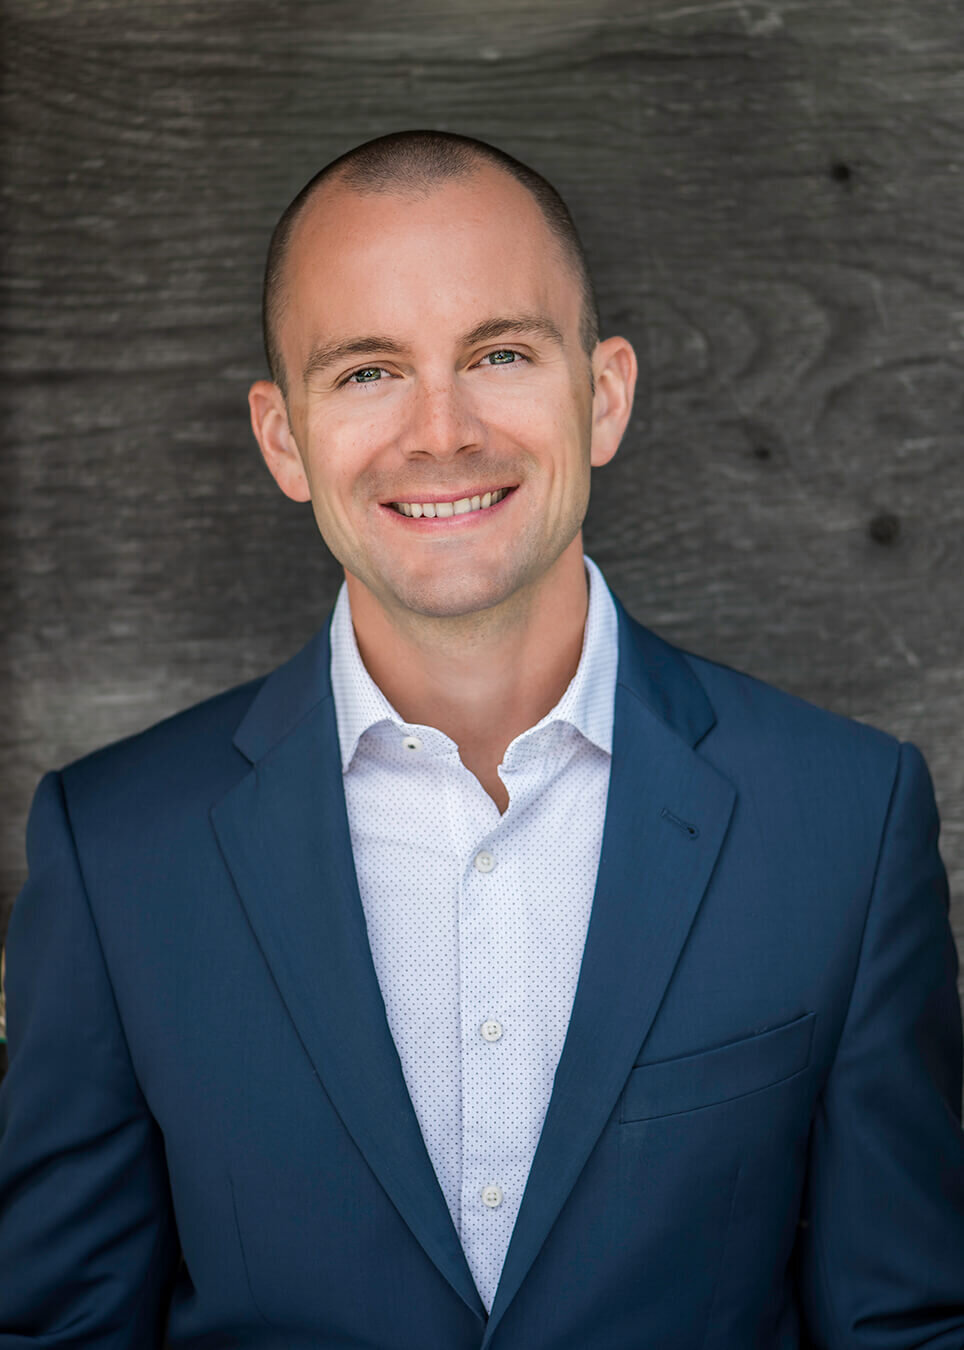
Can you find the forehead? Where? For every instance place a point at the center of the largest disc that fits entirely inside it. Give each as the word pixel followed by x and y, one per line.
pixel 385 259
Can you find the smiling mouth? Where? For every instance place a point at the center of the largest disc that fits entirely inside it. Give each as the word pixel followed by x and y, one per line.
pixel 463 506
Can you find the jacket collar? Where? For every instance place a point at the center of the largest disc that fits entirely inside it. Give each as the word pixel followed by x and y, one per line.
pixel 656 674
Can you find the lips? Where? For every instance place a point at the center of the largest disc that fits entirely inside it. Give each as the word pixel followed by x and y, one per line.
pixel 441 513
pixel 443 509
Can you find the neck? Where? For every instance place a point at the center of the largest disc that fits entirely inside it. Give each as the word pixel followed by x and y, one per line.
pixel 484 682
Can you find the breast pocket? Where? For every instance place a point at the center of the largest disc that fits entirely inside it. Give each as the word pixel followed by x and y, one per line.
pixel 670 1086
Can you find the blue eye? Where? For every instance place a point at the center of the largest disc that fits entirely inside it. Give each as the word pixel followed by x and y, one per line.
pixel 369 370
pixel 506 351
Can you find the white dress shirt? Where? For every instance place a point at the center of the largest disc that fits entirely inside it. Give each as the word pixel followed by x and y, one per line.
pixel 476 920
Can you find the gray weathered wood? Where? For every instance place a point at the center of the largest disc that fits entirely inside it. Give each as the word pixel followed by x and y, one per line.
pixel 772 194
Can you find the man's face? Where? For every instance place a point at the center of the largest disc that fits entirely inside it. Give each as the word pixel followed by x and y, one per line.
pixel 434 405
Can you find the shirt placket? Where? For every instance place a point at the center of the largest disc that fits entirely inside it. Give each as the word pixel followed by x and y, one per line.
pixel 495 1085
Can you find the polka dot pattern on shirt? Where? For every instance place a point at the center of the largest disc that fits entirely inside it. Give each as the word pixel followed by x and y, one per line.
pixel 478 918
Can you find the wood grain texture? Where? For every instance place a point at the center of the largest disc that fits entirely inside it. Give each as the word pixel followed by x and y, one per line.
pixel 772 195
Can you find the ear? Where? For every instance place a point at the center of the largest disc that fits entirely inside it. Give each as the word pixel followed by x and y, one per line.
pixel 269 422
pixel 614 370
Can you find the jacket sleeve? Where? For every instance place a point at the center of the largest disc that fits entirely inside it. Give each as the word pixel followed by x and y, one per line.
pixel 882 1241
pixel 88 1246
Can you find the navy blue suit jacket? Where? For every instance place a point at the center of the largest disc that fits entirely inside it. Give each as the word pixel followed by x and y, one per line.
pixel 754 1132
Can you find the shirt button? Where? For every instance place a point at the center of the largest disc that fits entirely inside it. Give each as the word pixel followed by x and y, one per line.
pixel 492 1196
pixel 484 861
pixel 491 1030
pixel 412 743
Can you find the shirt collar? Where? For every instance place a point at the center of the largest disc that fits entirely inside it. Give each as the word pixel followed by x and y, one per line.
pixel 586 704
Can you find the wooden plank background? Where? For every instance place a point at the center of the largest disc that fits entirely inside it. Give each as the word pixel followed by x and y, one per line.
pixel 772 194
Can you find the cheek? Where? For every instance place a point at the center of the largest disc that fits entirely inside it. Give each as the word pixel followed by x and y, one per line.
pixel 525 424
pixel 568 450
pixel 339 463
pixel 549 415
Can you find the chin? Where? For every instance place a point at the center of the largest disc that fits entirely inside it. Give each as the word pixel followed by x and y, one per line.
pixel 451 602
pixel 452 596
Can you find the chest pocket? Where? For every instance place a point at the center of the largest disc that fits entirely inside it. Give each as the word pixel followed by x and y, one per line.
pixel 669 1086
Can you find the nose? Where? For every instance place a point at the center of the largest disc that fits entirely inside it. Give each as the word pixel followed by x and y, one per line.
pixel 441 421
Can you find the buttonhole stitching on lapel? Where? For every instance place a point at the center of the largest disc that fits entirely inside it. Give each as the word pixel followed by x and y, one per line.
pixel 689 830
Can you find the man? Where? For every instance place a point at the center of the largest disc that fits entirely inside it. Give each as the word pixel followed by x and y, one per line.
pixel 492 973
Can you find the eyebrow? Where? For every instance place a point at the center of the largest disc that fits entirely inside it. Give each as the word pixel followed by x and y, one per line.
pixel 327 354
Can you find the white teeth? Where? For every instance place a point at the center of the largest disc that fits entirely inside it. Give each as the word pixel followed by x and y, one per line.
pixel 444 509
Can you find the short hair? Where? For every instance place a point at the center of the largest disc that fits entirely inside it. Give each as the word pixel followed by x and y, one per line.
pixel 419 161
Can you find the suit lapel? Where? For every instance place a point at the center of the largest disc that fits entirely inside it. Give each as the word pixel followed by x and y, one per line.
pixel 284 834
pixel 667 815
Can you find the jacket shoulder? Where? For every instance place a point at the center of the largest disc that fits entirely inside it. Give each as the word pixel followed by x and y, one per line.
pixel 740 692
pixel 760 724
pixel 729 712
pixel 188 755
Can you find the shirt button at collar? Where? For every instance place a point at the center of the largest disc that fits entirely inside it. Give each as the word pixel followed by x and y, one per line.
pixel 411 743
pixel 484 861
